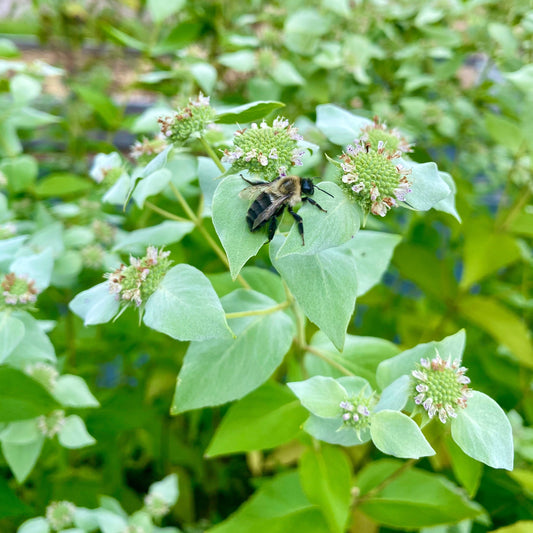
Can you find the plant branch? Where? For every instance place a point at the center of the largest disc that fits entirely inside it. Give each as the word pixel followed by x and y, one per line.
pixel 164 212
pixel 212 154
pixel 255 312
pixel 327 359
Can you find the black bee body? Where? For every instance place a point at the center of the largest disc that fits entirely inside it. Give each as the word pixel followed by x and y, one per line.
pixel 272 199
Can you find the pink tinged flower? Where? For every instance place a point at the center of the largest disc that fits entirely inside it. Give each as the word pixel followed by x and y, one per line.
pixel 254 126
pixel 292 132
pixel 421 387
pixel 443 415
pixel 350 149
pixel 273 154
pixel 263 160
pixel 10 299
pixel 464 380
pixel 252 154
pixel 358 187
pixel 379 208
pixel 381 147
pixel 282 171
pixel 432 411
pixel 425 362
pixel 363 410
pixel 263 125
pixel 349 178
pixel 355 418
pixel 280 123
pixel 427 404
pixel 451 411
pixel 346 417
pixel 374 193
pixel 418 374
pixel 420 398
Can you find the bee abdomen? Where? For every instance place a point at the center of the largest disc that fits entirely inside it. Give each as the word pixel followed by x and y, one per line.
pixel 260 204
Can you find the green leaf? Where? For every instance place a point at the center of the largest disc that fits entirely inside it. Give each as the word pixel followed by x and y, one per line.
pixel 205 76
pixel 166 489
pixel 167 232
pixel 101 104
pixel 452 346
pixel 30 118
pixel 340 126
pixel 186 307
pixel 361 355
pixel 208 173
pixel 373 251
pixel 323 230
pixel 160 10
pixel 501 323
pixel 333 431
pixel 35 525
pixel 20 172
pixel 34 346
pixel 303 29
pixel 151 185
pixel 10 505
pixel 248 112
pixel 74 434
pixel 396 434
pixel 264 419
pixel 285 73
pixel 280 505
pixel 95 305
pixel 21 458
pixel 325 475
pixel 466 470
pixel 505 132
pixel 483 432
pixel 324 285
pixel 229 219
pixel 522 78
pixel 37 267
pixel 62 185
pixel 427 186
pixel 240 61
pixel 22 397
pixel 320 395
pixel 523 222
pixel 11 333
pixel 413 499
pixel 72 391
pixel 485 252
pixel 447 205
pixel 219 370
pixel 24 88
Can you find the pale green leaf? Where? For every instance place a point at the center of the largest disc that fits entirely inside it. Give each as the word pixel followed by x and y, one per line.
pixel 11 333
pixel 320 395
pixel 340 126
pixel 72 391
pixel 248 112
pixel 95 305
pixel 74 434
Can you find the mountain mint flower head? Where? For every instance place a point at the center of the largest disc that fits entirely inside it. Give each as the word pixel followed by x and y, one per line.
pixel 371 178
pixel 18 291
pixel 270 151
pixel 52 424
pixel 355 412
pixel 440 387
pixel 60 515
pixel 137 281
pixel 188 121
pixel 144 150
pixel 44 373
pixel 392 140
pixel 92 256
pixel 156 506
pixel 103 231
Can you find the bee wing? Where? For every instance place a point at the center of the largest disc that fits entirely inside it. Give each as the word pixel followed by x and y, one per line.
pixel 251 192
pixel 270 211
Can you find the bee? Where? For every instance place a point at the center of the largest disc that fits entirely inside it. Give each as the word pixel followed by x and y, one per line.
pixel 271 199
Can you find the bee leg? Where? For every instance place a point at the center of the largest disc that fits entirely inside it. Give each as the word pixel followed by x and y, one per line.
pixel 312 202
pixel 254 182
pixel 298 219
pixel 272 225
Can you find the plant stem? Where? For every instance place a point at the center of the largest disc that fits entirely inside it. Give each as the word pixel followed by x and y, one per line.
pixel 328 359
pixel 396 474
pixel 255 312
pixel 197 220
pixel 164 212
pixel 212 154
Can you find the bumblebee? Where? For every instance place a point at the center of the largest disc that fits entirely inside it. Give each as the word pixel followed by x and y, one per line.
pixel 271 199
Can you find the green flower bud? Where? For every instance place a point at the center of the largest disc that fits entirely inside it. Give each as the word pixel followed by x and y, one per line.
pixel 60 515
pixel 18 291
pixel 44 373
pixel 266 150
pixel 52 424
pixel 188 121
pixel 156 506
pixel 137 281
pixel 370 177
pixel 142 151
pixel 440 387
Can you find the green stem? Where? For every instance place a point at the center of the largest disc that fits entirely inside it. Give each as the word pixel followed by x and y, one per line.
pixel 164 212
pixel 212 154
pixel 256 312
pixel 327 359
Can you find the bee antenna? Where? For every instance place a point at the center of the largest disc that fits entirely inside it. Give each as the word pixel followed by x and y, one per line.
pixel 317 187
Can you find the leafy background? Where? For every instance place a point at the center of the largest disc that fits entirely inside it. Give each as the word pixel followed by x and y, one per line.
pixel 454 76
